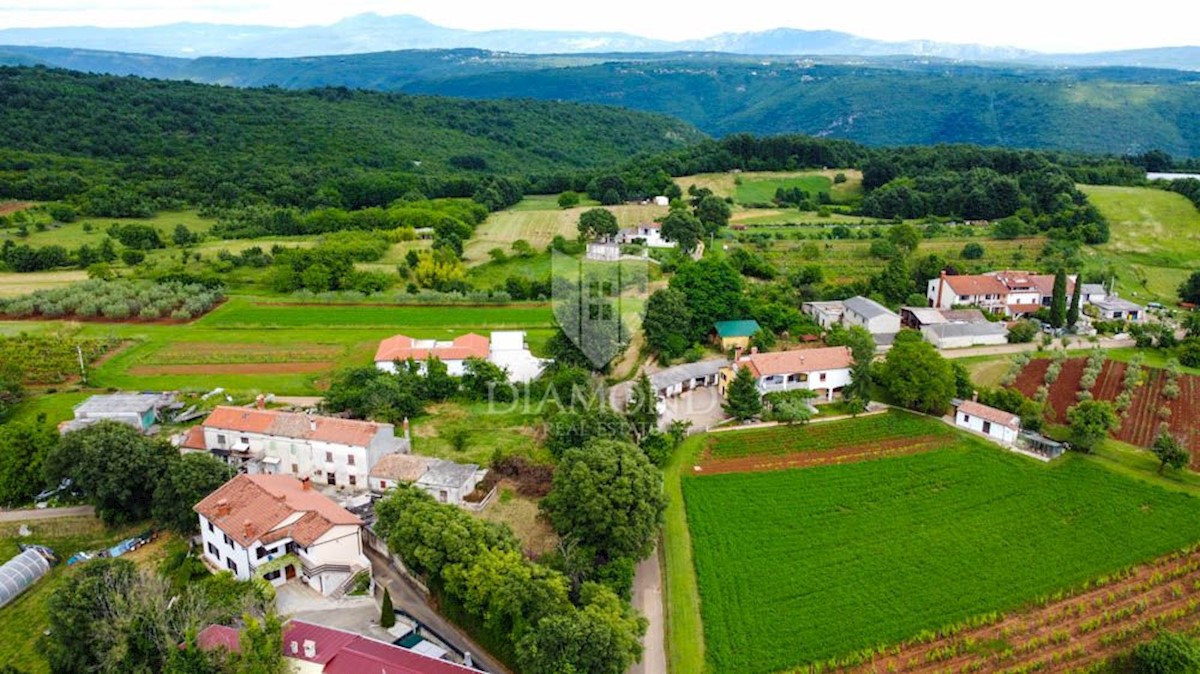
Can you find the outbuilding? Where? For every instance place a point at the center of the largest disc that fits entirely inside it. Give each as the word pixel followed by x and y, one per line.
pixel 996 424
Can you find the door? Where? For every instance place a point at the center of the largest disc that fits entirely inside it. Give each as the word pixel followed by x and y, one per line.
pixel 987 428
pixel 289 571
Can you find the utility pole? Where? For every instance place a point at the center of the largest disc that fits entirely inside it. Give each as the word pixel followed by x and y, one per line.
pixel 82 369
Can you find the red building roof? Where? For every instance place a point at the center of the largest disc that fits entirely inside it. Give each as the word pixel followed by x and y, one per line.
pixel 403 347
pixel 799 360
pixel 218 636
pixel 351 432
pixel 253 507
pixel 346 653
pixel 1006 419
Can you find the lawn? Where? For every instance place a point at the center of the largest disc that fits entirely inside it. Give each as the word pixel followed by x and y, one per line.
pixel 539 226
pixel 23 621
pixel 249 312
pixel 763 183
pixel 825 436
pixel 507 428
pixel 1154 243
pixel 75 234
pixel 856 555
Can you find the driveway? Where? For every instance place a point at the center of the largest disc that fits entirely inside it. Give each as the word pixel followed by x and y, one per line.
pixel 648 600
pixel 1005 349
pixel 700 406
pixel 46 513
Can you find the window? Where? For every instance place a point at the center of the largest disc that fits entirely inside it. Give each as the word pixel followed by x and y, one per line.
pixel 328 457
pixel 443 495
pixel 966 418
pixel 245 440
pixel 822 376
pixel 232 565
pixel 273 575
pixel 353 481
pixel 350 459
pixel 220 439
pixel 228 540
pixel 331 479
pixel 383 485
pixel 212 550
pixel 211 527
pixel 261 552
pixel 295 469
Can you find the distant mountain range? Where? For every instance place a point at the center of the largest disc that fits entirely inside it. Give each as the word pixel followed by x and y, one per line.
pixel 373 33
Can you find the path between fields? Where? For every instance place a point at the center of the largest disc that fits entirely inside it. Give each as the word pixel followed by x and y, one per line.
pixel 648 600
pixel 46 513
pixel 1005 349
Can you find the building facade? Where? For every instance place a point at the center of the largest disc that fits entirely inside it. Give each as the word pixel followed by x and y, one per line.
pixel 996 424
pixel 826 371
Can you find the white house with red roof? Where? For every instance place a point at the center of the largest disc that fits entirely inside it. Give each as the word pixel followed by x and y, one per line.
pixel 648 234
pixel 453 353
pixel 1008 293
pixel 989 421
pixel 824 370
pixel 315 649
pixel 327 450
pixel 279 528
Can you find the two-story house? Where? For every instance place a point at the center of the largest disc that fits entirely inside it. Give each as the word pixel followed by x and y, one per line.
pixel 329 450
pixel 279 528
pixel 1008 293
pixel 825 370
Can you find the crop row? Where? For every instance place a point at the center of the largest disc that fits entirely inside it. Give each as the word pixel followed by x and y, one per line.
pixel 818 437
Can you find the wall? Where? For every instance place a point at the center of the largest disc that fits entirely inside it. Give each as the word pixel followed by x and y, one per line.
pixel 834 379
pixel 307 456
pixel 998 431
pixel 240 555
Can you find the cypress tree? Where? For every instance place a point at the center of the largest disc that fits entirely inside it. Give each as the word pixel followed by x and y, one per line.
pixel 387 615
pixel 1058 300
pixel 1076 297
pixel 743 401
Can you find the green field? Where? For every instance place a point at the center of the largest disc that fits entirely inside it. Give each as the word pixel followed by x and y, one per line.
pixel 538 224
pixel 755 183
pixel 1154 244
pixel 825 436
pixel 251 313
pixel 73 235
pixel 763 190
pixel 857 555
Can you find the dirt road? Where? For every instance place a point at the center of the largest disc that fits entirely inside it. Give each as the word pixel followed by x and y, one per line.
pixel 45 513
pixel 648 600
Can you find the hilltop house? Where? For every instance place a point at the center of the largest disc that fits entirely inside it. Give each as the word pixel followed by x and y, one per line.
pixel 506 349
pixel 735 334
pixel 648 234
pixel 446 481
pixel 333 451
pixel 1008 293
pixel 139 410
pixel 824 370
pixel 994 423
pixel 309 648
pixel 279 528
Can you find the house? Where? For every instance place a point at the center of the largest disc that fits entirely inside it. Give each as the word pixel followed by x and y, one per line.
pixel 278 528
pixel 510 351
pixel 954 328
pixel 1008 293
pixel 315 649
pixel 1114 308
pixel 735 334
pixel 1091 293
pixel 826 314
pixel 139 410
pixel 662 201
pixel 648 234
pixel 446 481
pixel 881 322
pixel 453 353
pixel 333 451
pixel 824 370
pixel 994 423
pixel 674 381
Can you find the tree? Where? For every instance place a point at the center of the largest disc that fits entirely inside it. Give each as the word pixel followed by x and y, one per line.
pixel 603 636
pixel 972 251
pixel 642 408
pixel 387 613
pixel 24 446
pixel 485 380
pixel 1167 653
pixel 609 497
pixel 11 389
pixel 597 223
pixel 742 399
pixel 182 236
pixel 714 292
pixel 963 387
pixel 575 428
pixel 713 213
pixel 858 338
pixel 75 642
pixel 437 382
pixel 1169 452
pixel 260 645
pixel 683 228
pixel 188 479
pixel 1189 290
pixel 906 237
pixel 1076 297
pixel 1189 352
pixel 917 376
pixel 1022 332
pixel 1058 299
pixel 668 322
pixel 1011 227
pixel 116 467
pixel 369 393
pixel 894 283
pixel 568 199
pixel 1090 421
pixel 1191 323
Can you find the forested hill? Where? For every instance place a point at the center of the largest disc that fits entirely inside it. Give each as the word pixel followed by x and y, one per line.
pixel 193 135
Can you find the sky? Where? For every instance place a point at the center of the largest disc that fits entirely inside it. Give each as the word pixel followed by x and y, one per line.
pixel 1041 25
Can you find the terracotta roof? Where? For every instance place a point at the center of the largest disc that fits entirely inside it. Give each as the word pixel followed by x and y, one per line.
pixel 294 425
pixel 401 467
pixel 255 507
pixel 1006 419
pixel 1024 308
pixel 403 347
pixel 218 636
pixel 194 439
pixel 799 360
pixel 983 284
pixel 342 652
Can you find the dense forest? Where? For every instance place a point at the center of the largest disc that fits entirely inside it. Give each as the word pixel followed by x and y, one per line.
pixel 875 101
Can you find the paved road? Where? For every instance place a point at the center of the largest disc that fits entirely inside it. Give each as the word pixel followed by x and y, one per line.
pixel 648 600
pixel 1006 349
pixel 406 596
pixel 46 513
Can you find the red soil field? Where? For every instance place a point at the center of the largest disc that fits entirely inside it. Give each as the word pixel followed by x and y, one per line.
pixel 8 207
pixel 852 454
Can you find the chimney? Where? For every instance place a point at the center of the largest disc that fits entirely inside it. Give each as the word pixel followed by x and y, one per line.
pixel 406 428
pixel 312 425
pixel 260 402
pixel 247 529
pixel 310 649
pixel 295 647
pixel 753 350
pixel 737 354
pixel 222 507
pixel 305 484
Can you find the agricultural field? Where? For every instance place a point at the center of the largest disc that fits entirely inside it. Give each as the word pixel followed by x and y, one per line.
pixel 75 234
pixel 1140 423
pixel 13 284
pixel 856 555
pixel 756 186
pixel 1154 243
pixel 540 225
pixel 52 358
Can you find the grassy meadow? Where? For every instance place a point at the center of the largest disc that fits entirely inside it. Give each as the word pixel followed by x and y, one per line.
pixel 755 186
pixel 1154 243
pixel 856 555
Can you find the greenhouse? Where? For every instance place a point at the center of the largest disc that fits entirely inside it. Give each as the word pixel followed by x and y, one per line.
pixel 19 573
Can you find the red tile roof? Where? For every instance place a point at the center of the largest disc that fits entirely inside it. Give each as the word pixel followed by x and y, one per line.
pixel 1024 308
pixel 799 360
pixel 983 284
pixel 218 636
pixel 403 347
pixel 345 653
pixel 194 438
pixel 254 507
pixel 297 425
pixel 1006 419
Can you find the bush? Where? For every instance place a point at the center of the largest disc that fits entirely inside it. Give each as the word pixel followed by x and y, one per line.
pixel 972 251
pixel 1022 332
pixel 1168 653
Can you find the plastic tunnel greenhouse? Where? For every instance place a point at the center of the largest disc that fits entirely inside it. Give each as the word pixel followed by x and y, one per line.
pixel 19 573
